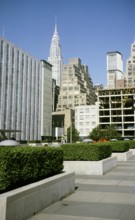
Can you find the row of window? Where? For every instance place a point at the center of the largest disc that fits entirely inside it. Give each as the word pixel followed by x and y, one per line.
pixel 93 123
pixel 82 117
pixel 87 110
pixel 84 131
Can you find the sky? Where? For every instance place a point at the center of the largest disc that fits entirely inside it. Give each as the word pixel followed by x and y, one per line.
pixel 88 29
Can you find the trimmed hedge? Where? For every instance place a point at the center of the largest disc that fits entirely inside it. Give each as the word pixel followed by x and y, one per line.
pixel 24 165
pixel 131 144
pixel 86 152
pixel 119 146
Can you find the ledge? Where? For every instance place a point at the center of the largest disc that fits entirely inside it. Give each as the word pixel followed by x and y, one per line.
pixel 133 151
pixel 90 167
pixel 123 156
pixel 24 202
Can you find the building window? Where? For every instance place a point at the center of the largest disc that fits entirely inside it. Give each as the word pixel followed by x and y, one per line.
pixel 81 131
pixel 87 110
pixel 64 88
pixel 81 112
pixel 81 117
pixel 81 123
pixel 70 97
pixel 87 130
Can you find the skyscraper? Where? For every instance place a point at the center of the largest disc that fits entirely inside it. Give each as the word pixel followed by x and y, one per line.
pixel 25 93
pixel 130 68
pixel 77 86
pixel 114 69
pixel 55 57
pixel 20 92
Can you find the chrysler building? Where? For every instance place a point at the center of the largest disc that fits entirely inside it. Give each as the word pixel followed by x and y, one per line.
pixel 55 57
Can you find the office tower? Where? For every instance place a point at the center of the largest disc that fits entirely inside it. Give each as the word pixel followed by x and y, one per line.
pixel 130 68
pixel 46 101
pixel 114 69
pixel 55 57
pixel 76 86
pixel 21 86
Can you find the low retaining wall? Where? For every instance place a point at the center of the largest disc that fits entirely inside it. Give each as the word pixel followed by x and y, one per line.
pixel 133 151
pixel 24 202
pixel 90 167
pixel 123 156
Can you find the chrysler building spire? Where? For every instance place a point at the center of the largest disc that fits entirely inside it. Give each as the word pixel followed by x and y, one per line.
pixel 55 57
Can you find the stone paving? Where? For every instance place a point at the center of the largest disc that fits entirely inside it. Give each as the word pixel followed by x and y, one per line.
pixel 107 197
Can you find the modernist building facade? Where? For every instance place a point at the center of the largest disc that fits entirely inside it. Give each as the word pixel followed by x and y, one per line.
pixel 21 91
pixel 76 86
pixel 46 101
pixel 86 119
pixel 117 106
pixel 55 57
pixel 114 69
pixel 130 68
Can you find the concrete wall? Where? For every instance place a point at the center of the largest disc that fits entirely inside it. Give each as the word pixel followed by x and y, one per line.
pixel 133 151
pixel 123 156
pixel 90 167
pixel 24 202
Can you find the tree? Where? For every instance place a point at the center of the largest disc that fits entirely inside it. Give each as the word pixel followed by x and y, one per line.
pixel 96 133
pixel 72 134
pixel 108 133
pixel 111 132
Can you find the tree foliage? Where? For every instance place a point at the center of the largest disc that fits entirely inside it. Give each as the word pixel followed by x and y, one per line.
pixel 108 133
pixel 72 134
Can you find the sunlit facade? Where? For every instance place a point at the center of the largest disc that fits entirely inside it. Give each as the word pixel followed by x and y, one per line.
pixel 114 69
pixel 76 87
pixel 130 68
pixel 25 93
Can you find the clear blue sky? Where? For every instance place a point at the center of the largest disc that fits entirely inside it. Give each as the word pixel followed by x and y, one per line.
pixel 88 29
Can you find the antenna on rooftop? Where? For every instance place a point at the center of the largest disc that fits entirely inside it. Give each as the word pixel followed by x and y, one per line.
pixel 55 20
pixel 55 24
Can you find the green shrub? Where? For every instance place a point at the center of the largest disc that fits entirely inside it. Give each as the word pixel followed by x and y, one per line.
pixel 35 141
pixel 131 144
pixel 23 165
pixel 119 146
pixel 23 142
pixel 85 152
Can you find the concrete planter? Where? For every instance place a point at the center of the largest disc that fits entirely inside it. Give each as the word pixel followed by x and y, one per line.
pixel 133 151
pixel 24 202
pixel 90 167
pixel 32 144
pixel 123 156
